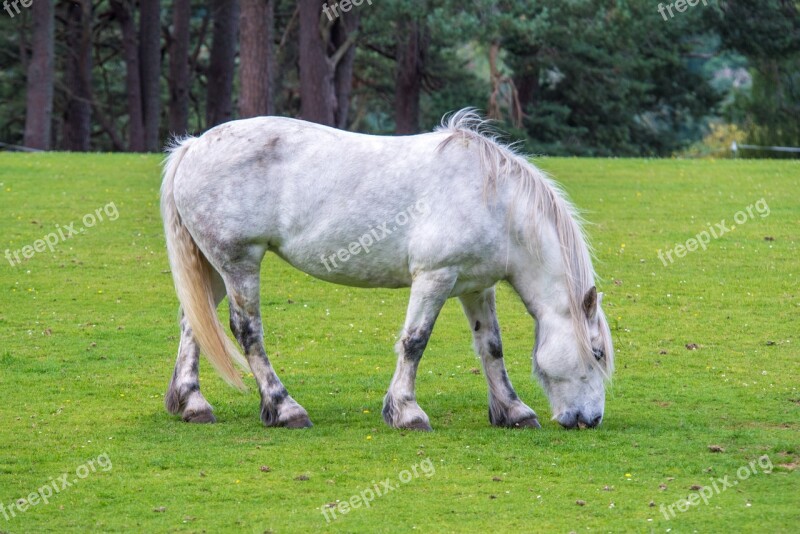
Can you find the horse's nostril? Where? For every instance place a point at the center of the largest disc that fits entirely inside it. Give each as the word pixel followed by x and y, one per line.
pixel 585 422
pixel 568 420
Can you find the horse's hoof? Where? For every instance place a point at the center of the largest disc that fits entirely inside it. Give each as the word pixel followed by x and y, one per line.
pixel 199 417
pixel 299 422
pixel 529 422
pixel 422 426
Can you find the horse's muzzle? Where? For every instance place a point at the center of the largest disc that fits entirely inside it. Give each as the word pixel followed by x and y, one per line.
pixel 572 419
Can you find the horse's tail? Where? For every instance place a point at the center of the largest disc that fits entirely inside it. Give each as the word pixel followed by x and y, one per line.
pixel 191 273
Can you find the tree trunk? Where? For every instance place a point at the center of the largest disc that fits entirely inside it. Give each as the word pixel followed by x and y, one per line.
pixel 179 67
pixel 317 93
pixel 342 34
pixel 39 112
pixel 221 68
pixel 133 85
pixel 410 64
pixel 76 131
pixel 504 91
pixel 255 58
pixel 150 63
pixel 326 55
pixel 527 82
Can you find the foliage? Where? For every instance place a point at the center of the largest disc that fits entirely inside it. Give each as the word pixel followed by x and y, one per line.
pixel 761 29
pixel 623 88
pixel 12 80
pixel 768 33
pixel 717 143
pixel 593 78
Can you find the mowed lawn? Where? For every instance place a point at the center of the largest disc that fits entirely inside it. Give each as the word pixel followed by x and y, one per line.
pixel 88 337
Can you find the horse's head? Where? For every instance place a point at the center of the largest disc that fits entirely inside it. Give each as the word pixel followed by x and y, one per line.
pixel 573 358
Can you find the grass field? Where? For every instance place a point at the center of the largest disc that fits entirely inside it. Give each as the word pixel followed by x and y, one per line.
pixel 88 337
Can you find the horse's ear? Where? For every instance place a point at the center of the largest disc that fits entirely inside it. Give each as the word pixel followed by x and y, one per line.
pixel 590 303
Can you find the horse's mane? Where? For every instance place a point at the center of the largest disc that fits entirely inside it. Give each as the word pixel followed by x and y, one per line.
pixel 543 199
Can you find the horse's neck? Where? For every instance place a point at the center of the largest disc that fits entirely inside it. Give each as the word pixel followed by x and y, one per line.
pixel 539 275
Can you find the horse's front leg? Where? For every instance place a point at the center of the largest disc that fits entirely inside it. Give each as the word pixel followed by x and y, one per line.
pixel 505 408
pixel 429 291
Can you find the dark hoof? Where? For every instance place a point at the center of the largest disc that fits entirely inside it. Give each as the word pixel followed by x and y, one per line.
pixel 299 422
pixel 199 417
pixel 422 426
pixel 530 422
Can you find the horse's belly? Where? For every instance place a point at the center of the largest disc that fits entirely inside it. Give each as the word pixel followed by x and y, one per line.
pixel 386 266
pixel 348 265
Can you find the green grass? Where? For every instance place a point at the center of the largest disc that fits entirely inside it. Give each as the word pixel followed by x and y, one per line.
pixel 88 338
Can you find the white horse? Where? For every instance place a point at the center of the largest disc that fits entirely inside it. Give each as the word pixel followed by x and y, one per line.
pixel 449 213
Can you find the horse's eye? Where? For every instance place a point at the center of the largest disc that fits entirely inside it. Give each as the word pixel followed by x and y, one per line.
pixel 599 354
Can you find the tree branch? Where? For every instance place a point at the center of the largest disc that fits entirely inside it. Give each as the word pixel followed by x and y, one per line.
pixel 339 54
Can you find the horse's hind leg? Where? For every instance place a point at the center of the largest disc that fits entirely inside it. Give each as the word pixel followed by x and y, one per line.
pixel 277 407
pixel 429 291
pixel 505 408
pixel 183 395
